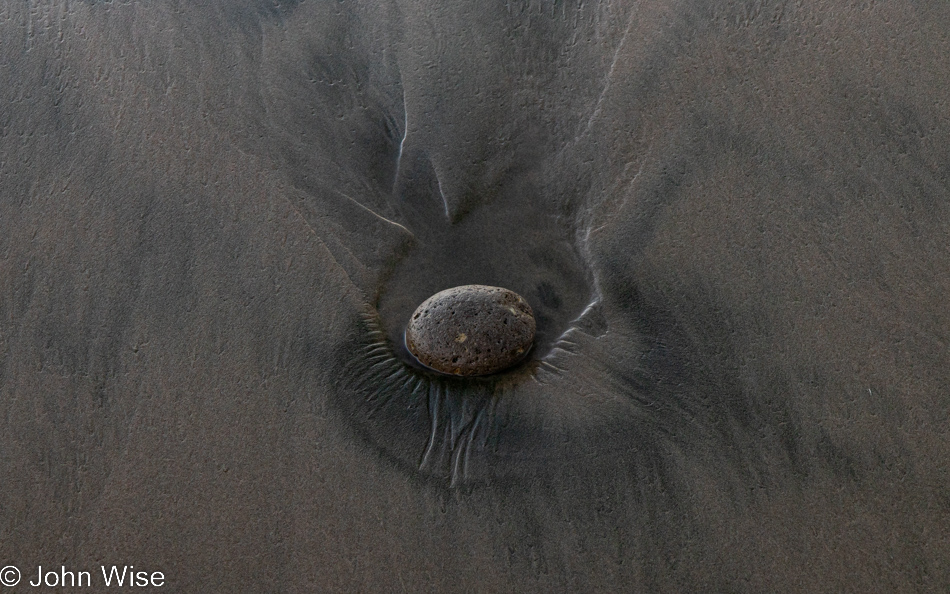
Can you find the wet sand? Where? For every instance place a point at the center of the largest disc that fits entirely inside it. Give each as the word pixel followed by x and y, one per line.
pixel 731 223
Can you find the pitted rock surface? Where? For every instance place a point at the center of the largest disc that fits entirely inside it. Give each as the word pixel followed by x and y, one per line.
pixel 471 330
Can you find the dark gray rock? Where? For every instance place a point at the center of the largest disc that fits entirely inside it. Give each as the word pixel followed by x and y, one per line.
pixel 471 330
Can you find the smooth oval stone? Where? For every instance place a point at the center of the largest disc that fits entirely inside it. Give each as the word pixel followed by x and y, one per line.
pixel 471 330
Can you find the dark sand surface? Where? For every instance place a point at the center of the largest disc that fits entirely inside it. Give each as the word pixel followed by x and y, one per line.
pixel 732 221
